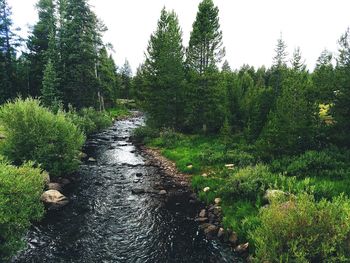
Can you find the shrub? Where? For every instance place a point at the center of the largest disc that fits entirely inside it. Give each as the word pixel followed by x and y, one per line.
pixel 249 183
pixel 327 163
pixel 145 134
pixel 89 120
pixel 302 230
pixel 169 138
pixel 34 133
pixel 20 204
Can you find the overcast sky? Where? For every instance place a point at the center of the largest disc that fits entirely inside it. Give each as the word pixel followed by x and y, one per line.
pixel 250 27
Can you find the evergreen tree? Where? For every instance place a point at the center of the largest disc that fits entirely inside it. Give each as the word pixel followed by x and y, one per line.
pixel 164 73
pixel 80 42
pixel 126 76
pixel 206 47
pixel 50 91
pixel 324 78
pixel 297 62
pixel 205 90
pixel 279 66
pixel 9 41
pixel 291 125
pixel 38 44
pixel 341 109
pixel 107 75
pixel 226 67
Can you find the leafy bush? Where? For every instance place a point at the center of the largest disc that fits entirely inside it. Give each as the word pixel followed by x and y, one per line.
pixel 145 134
pixel 249 183
pixel 302 230
pixel 169 138
pixel 89 120
pixel 34 133
pixel 20 204
pixel 331 163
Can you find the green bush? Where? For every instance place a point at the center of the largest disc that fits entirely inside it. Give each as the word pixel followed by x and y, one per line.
pixel 169 138
pixel 249 183
pixel 303 230
pixel 89 120
pixel 20 204
pixel 34 133
pixel 145 134
pixel 331 163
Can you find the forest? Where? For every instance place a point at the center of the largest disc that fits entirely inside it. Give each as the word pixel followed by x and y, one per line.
pixel 271 143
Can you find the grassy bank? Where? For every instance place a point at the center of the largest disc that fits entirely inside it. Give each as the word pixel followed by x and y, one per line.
pixel 286 228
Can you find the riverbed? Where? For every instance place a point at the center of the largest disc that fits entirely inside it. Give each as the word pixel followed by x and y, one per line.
pixel 108 221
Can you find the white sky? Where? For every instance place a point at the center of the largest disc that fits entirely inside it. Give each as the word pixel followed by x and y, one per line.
pixel 250 27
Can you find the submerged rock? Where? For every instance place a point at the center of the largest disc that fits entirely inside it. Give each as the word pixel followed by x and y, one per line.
pixel 54 199
pixel 138 191
pixel 162 192
pixel 211 231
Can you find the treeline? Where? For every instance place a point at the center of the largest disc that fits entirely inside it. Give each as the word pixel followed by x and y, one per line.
pixel 284 109
pixel 63 61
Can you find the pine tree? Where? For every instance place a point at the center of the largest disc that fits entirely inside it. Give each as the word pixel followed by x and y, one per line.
pixel 279 66
pixel 80 42
pixel 164 73
pixel 126 75
pixel 50 91
pixel 290 128
pixel 205 90
pixel 226 67
pixel 324 78
pixel 341 109
pixel 107 75
pixel 297 61
pixel 280 59
pixel 9 41
pixel 206 47
pixel 38 44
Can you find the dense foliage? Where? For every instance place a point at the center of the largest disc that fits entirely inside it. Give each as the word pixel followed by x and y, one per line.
pixel 20 203
pixel 34 133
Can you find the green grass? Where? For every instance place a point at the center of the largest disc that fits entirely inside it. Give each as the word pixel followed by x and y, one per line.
pixel 118 112
pixel 324 174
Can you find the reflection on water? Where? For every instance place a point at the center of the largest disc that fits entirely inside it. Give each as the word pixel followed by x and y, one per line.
pixel 105 222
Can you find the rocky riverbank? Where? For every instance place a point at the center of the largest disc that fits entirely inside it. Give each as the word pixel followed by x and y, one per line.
pixel 177 184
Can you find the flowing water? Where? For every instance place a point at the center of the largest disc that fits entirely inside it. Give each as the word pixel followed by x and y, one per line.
pixel 106 222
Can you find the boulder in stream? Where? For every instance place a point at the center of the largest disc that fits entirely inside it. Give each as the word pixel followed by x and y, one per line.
pixel 54 199
pixel 54 186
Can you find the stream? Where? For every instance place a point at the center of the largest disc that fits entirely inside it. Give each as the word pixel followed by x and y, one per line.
pixel 106 222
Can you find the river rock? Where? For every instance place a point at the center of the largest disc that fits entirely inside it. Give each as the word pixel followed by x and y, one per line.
pixel 217 201
pixel 63 181
pixel 202 219
pixel 54 186
pixel 202 213
pixel 54 199
pixel 82 155
pixel 242 248
pixel 139 174
pixel 138 191
pixel 92 160
pixel 221 232
pixel 233 238
pixel 162 192
pixel 211 231
pixel 206 189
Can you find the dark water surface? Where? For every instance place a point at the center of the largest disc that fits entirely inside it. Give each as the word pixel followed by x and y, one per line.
pixel 106 222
